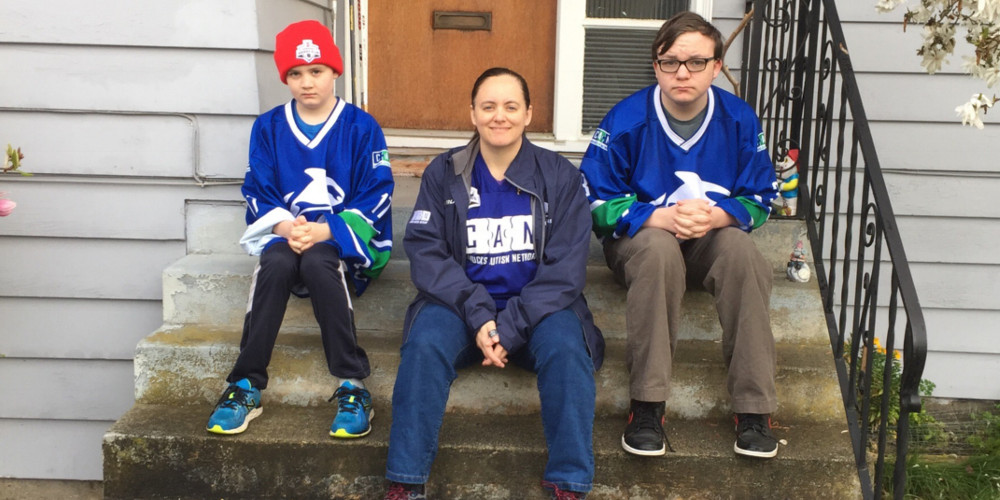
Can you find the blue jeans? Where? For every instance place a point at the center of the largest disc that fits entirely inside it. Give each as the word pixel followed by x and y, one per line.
pixel 439 343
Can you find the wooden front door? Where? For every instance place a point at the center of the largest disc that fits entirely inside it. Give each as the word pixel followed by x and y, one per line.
pixel 421 77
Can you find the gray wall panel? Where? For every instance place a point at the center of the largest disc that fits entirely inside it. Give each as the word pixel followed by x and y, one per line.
pixel 77 268
pixel 112 209
pixel 951 240
pixel 180 23
pixel 65 389
pixel 937 96
pixel 959 287
pixel 52 449
pixel 934 146
pixel 76 328
pixel 224 144
pixel 946 196
pixel 130 79
pixel 92 210
pixel 964 330
pixel 215 227
pixel 273 16
pixel 949 330
pixel 963 375
pixel 102 144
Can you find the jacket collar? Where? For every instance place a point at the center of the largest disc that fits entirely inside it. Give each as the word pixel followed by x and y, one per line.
pixel 521 167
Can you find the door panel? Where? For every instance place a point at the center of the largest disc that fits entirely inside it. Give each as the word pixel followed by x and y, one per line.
pixel 421 78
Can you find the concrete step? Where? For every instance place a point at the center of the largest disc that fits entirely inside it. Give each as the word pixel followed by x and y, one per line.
pixel 159 452
pixel 213 290
pixel 188 365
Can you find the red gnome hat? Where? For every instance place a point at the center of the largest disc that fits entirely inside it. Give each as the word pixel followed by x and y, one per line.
pixel 306 42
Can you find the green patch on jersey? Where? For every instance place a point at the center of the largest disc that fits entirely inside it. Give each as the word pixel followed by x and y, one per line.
pixel 758 214
pixel 606 216
pixel 365 233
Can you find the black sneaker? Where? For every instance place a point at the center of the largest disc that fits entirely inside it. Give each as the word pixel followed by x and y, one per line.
pixel 644 432
pixel 402 491
pixel 753 436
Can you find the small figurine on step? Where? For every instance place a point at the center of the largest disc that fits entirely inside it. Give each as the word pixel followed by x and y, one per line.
pixel 797 269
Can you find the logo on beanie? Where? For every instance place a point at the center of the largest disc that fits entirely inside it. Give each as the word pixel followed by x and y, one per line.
pixel 307 51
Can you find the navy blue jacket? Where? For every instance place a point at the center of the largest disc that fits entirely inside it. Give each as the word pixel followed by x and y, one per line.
pixel 436 240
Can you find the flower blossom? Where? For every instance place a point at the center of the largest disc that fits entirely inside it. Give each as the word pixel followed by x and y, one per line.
pixel 987 10
pixel 887 5
pixel 939 41
pixel 6 207
pixel 969 112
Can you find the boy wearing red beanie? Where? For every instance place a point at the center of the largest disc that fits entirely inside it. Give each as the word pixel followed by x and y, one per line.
pixel 318 189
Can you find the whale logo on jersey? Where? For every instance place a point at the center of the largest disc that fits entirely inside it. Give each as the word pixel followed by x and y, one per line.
pixel 691 187
pixel 320 194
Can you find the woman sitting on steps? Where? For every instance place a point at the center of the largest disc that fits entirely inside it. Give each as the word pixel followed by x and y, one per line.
pixel 498 246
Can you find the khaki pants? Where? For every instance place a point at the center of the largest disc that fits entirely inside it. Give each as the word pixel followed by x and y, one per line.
pixel 655 267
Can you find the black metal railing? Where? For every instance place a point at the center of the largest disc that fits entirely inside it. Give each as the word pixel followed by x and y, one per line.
pixel 797 73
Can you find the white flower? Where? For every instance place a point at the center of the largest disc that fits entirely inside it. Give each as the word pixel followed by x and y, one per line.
pixel 939 41
pixel 932 60
pixel 969 112
pixel 980 19
pixel 987 10
pixel 992 76
pixel 884 6
pixel 921 15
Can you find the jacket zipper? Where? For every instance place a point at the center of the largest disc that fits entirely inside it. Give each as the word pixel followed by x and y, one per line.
pixel 536 200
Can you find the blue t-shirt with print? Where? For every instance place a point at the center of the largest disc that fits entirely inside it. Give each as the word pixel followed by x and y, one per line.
pixel 501 242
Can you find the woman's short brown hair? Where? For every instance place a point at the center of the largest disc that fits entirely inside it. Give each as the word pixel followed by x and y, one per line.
pixel 681 23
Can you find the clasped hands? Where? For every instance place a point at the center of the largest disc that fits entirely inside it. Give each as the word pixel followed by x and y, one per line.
pixel 302 235
pixel 493 353
pixel 689 219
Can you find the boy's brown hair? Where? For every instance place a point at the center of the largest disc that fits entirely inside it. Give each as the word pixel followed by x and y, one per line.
pixel 681 23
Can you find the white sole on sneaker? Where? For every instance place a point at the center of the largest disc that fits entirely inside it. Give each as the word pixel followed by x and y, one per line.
pixel 758 454
pixel 644 453
pixel 254 413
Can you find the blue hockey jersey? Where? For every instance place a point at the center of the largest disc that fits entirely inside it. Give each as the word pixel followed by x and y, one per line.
pixel 635 163
pixel 341 177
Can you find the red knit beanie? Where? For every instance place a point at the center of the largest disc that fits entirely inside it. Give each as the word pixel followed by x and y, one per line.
pixel 306 42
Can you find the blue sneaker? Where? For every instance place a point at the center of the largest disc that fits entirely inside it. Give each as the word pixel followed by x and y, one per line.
pixel 236 408
pixel 354 411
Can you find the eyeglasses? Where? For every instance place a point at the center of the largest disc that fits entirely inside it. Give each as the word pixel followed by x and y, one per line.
pixel 693 65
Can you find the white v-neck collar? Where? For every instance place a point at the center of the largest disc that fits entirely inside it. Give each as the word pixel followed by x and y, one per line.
pixel 330 121
pixel 676 139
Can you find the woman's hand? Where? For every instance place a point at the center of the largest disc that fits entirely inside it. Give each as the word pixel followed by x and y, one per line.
pixel 493 352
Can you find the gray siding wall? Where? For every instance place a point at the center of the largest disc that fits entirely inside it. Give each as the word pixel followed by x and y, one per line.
pixel 134 118
pixel 943 179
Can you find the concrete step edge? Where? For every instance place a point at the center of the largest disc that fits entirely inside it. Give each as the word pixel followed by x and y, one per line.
pixel 163 451
pixel 212 289
pixel 188 366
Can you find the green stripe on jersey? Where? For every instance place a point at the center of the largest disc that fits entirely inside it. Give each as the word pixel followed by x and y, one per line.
pixel 758 215
pixel 365 233
pixel 607 215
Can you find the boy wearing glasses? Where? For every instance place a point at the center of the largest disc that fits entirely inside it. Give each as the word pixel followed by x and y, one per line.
pixel 677 175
